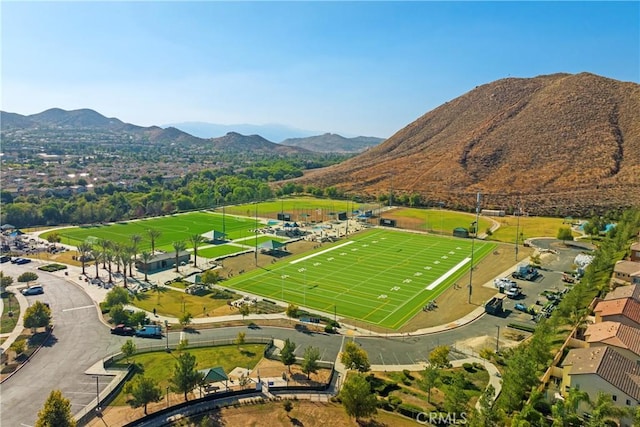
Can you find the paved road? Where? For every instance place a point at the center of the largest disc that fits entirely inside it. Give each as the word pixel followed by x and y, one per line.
pixel 80 340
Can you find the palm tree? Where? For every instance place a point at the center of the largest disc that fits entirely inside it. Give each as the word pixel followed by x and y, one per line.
pixel 97 255
pixel 153 236
pixel 108 258
pixel 126 254
pixel 146 257
pixel 104 245
pixel 84 249
pixel 117 256
pixel 135 242
pixel 604 409
pixel 195 240
pixel 178 246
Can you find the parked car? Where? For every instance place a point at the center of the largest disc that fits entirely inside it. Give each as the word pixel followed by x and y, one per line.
pixel 122 329
pixel 5 258
pixel 22 261
pixel 150 331
pixel 33 290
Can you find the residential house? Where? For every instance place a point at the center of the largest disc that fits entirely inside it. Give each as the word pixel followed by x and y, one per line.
pixel 621 292
pixel 622 338
pixel 627 271
pixel 635 252
pixel 602 369
pixel 623 310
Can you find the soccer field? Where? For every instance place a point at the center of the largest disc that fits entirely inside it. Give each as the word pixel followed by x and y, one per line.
pixel 381 277
pixel 173 228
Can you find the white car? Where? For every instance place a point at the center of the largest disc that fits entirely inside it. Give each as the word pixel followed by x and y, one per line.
pixel 33 290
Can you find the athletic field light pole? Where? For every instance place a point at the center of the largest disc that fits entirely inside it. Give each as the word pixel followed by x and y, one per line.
pixel 473 239
pixel 518 213
pixel 256 232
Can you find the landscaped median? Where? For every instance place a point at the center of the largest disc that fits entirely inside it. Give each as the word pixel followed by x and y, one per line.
pixel 239 360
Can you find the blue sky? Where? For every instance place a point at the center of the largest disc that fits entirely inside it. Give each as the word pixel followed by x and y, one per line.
pixel 357 68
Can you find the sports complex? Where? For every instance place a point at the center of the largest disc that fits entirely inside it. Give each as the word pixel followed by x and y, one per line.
pixel 381 275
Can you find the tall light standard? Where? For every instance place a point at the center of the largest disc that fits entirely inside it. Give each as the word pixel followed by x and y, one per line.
pixel 518 213
pixel 98 409
pixel 256 233
pixel 166 332
pixel 498 339
pixel 473 239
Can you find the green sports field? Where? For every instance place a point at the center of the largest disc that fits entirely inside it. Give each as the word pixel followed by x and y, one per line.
pixel 381 277
pixel 173 228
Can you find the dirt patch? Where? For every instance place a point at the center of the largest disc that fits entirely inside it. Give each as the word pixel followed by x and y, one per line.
pixel 272 368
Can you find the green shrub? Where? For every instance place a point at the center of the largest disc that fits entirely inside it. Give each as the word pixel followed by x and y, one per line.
pixel 395 401
pixel 468 367
pixel 521 327
pixel 27 276
pixel 407 374
pixel 479 366
pixel 409 410
pixel 329 329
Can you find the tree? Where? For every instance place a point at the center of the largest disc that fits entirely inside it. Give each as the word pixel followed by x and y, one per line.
pixel 135 243
pixel 564 234
pixel 178 246
pixel 455 400
pixel 244 310
pixel 429 377
pixel 195 241
pixel 292 311
pixel 486 416
pixel 27 276
pixel 210 277
pixel 185 319
pixel 84 249
pixel 117 296
pixel 310 361
pixel 146 258
pixel 604 409
pixel 153 236
pixel 287 406
pixel 240 339
pixel 37 316
pixel 185 376
pixel 143 391
pixel 357 398
pixel 5 281
pixel 128 349
pixel 18 347
pixel 287 355
pixel 56 412
pixel 439 356
pixel 354 357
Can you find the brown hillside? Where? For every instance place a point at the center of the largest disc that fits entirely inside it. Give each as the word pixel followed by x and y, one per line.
pixel 559 143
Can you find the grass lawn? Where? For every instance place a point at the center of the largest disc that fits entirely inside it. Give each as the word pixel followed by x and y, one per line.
pixel 7 323
pixel 382 277
pixel 527 226
pixel 173 228
pixel 168 302
pixel 436 220
pixel 159 365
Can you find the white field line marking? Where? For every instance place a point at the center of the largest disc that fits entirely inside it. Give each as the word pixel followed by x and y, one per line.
pixel 446 275
pixel 78 308
pixel 321 252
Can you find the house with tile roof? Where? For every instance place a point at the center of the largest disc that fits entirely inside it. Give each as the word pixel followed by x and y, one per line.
pixel 627 271
pixel 602 369
pixel 625 291
pixel 623 310
pixel 622 338
pixel 635 252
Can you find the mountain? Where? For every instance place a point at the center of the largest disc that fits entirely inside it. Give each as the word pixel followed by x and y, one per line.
pixel 272 132
pixel 234 141
pixel 554 144
pixel 333 143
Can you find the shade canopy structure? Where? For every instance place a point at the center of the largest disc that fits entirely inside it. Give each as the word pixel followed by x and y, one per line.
pixel 214 235
pixel 271 245
pixel 214 375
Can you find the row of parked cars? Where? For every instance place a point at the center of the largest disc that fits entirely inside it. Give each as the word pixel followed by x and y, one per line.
pixel 18 260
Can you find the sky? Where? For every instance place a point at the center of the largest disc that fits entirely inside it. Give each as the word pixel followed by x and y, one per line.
pixel 354 68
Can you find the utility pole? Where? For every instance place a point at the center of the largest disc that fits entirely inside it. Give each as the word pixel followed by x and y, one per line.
pixel 98 409
pixel 256 233
pixel 518 213
pixel 473 239
pixel 498 339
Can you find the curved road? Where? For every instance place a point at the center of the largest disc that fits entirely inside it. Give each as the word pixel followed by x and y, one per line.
pixel 79 340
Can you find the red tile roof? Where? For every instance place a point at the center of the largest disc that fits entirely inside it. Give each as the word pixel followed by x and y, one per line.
pixel 627 307
pixel 614 334
pixel 608 364
pixel 625 291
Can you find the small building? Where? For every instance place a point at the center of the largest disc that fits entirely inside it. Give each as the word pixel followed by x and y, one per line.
pixel 622 338
pixel 460 232
pixel 163 261
pixel 627 271
pixel 623 310
pixel 492 212
pixel 602 369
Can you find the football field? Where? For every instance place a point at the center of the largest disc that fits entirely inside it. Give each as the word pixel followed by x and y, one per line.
pixel 382 277
pixel 173 228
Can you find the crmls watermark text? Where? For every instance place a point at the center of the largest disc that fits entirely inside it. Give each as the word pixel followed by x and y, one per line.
pixel 442 418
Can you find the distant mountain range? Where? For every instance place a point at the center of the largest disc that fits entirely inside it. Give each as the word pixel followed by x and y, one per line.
pixel 86 120
pixel 550 144
pixel 271 132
